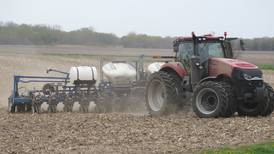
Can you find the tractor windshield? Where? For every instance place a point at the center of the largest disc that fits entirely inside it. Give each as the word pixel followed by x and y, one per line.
pixel 210 49
pixel 205 50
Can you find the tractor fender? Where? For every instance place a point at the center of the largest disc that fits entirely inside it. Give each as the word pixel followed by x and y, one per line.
pixel 174 67
pixel 220 77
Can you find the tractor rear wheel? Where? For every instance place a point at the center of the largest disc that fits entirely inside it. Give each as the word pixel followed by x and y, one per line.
pixel 212 99
pixel 262 108
pixel 162 93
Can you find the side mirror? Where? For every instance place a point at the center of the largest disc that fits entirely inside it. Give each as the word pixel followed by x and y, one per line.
pixel 175 48
pixel 229 50
pixel 242 45
pixel 237 46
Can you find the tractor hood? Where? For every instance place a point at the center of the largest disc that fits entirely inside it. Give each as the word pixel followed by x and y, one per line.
pixel 227 67
pixel 235 63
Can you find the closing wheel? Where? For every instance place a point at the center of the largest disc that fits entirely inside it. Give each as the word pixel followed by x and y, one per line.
pixel 104 105
pixel 68 106
pixel 84 107
pixel 11 107
pixel 36 104
pixel 68 103
pixel 211 99
pixel 52 108
pixel 21 108
pixel 162 93
pixel 101 108
pixel 37 108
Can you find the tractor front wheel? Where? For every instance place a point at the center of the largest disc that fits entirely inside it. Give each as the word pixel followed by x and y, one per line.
pixel 258 108
pixel 269 99
pixel 211 99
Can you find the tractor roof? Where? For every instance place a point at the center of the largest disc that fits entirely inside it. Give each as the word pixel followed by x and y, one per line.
pixel 203 38
pixel 207 37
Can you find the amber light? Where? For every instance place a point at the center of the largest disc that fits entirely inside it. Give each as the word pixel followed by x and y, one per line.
pixel 225 34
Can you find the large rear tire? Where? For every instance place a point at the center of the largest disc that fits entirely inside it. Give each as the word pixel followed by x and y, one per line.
pixel 162 93
pixel 212 99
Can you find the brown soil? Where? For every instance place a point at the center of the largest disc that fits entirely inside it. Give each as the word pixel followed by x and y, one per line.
pixel 124 133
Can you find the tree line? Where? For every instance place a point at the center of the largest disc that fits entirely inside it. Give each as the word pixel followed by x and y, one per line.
pixel 11 33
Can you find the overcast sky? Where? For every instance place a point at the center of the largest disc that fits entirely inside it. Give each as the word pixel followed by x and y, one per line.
pixel 242 18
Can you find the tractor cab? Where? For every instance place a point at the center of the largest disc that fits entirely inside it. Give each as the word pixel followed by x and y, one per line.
pixel 196 52
pixel 201 48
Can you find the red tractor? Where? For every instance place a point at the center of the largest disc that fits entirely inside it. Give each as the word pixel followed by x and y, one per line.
pixel 221 85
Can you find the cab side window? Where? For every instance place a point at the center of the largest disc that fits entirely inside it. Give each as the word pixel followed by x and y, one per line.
pixel 185 51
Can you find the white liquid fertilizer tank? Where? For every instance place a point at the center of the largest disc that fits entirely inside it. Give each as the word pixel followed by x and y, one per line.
pixel 83 74
pixel 119 72
pixel 154 67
